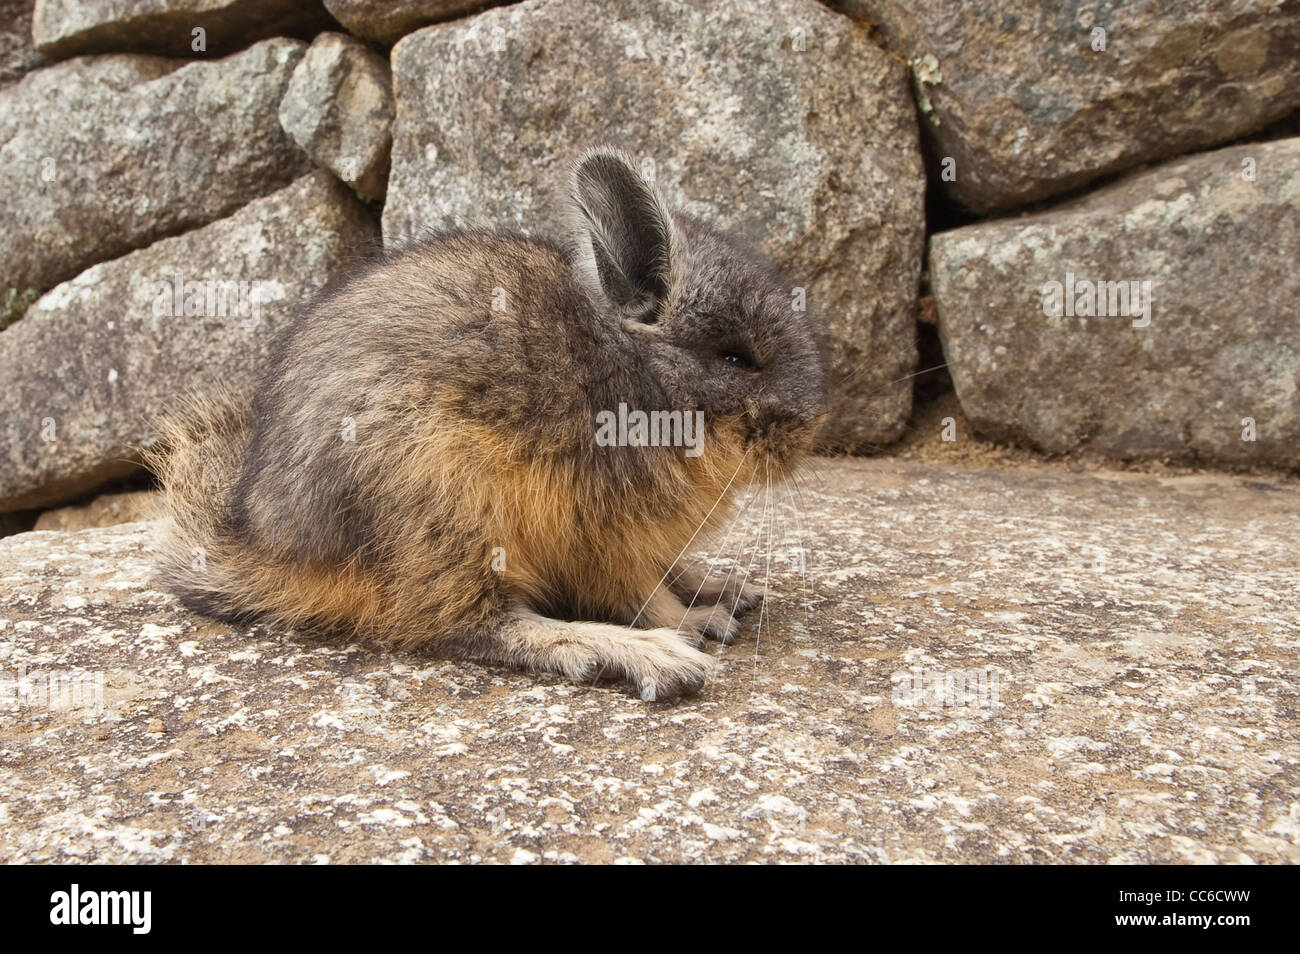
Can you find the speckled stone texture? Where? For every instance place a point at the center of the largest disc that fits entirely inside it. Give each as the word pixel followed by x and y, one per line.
pixel 104 154
pixel 17 55
pixel 779 121
pixel 387 21
pixel 1137 637
pixel 339 110
pixel 71 27
pixel 1209 372
pixel 1016 94
pixel 96 359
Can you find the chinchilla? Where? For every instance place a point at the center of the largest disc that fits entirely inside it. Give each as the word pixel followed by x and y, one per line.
pixel 451 448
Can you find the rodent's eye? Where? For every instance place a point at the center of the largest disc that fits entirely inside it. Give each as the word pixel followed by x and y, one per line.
pixel 739 357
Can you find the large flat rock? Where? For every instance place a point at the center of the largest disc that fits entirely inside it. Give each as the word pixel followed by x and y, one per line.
pixel 104 154
pixel 1030 99
pixel 817 164
pixel 1139 635
pixel 168 27
pixel 387 21
pixel 96 359
pixel 1206 369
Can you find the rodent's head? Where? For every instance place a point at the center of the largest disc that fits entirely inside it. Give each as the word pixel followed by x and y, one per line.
pixel 711 319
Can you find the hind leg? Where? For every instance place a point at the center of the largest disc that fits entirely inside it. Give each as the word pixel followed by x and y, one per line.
pixel 659 663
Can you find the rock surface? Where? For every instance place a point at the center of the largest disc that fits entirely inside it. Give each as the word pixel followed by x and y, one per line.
pixel 1015 93
pixel 1139 636
pixel 339 110
pixel 105 154
pixel 387 21
pixel 98 357
pixel 1215 361
pixel 818 164
pixel 166 27
pixel 106 510
pixel 17 55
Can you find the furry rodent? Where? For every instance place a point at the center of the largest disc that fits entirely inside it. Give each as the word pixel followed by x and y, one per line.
pixel 420 463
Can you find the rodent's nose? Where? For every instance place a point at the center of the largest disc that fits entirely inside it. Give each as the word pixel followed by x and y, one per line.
pixel 774 422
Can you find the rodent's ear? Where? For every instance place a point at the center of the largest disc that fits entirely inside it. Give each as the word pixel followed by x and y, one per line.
pixel 626 236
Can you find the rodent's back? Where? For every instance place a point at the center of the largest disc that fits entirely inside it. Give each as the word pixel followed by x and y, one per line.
pixel 416 351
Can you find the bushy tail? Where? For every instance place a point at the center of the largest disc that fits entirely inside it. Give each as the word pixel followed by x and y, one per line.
pixel 198 456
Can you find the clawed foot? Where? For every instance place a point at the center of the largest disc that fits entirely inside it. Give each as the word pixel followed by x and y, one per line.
pixel 664 665
pixel 659 663
pixel 734 595
pixel 711 622
pixel 743 598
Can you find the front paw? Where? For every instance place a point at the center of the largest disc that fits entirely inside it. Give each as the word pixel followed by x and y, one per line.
pixel 711 622
pixel 665 666
pixel 734 595
pixel 743 598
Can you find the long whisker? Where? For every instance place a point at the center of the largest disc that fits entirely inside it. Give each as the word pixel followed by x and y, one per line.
pixel 767 576
pixel 754 555
pixel 843 382
pixel 797 492
pixel 726 537
pixel 704 577
pixel 731 570
pixel 799 544
pixel 812 466
pixel 743 458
